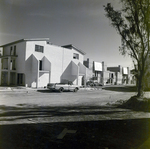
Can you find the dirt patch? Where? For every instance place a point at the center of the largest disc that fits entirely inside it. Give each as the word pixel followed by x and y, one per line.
pixel 136 103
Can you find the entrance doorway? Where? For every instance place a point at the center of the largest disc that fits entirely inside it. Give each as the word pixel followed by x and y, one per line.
pixel 20 79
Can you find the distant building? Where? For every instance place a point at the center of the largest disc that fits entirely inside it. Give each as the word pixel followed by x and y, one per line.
pixel 118 75
pixel 99 72
pixel 95 71
pixel 36 62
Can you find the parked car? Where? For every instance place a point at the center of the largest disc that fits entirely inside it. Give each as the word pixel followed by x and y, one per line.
pixel 62 87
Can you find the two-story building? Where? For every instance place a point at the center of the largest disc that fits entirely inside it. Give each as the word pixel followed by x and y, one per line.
pixel 36 62
pixel 95 71
pixel 118 75
pixel 101 73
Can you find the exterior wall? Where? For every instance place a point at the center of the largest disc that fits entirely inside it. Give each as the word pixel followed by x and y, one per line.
pixel 58 64
pixel 95 75
pixel 20 52
pixel 108 75
pixel 52 55
pixel 81 57
pixel 43 79
pixel 119 77
pixel 105 75
pixel 115 75
pixel 55 55
pixel 20 60
pixel 126 76
pixel 89 64
pixel 68 57
pixel 119 81
pixel 12 63
pixel 34 72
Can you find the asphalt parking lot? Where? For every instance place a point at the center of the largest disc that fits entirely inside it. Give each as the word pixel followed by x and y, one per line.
pixel 87 119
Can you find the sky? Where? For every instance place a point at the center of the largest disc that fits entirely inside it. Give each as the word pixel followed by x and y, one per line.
pixel 81 23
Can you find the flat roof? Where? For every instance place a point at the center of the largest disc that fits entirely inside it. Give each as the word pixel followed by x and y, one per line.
pixel 21 40
pixel 69 46
pixel 114 69
pixel 72 46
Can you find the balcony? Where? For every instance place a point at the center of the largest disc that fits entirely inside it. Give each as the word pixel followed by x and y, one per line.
pixel 8 63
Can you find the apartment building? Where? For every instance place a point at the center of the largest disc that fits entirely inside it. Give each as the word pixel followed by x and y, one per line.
pixel 118 75
pixel 96 71
pixel 101 73
pixel 36 62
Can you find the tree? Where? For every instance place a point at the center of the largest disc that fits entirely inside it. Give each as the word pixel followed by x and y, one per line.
pixel 132 23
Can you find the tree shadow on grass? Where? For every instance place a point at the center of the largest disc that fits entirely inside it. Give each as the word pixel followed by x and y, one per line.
pixel 113 134
pixel 27 111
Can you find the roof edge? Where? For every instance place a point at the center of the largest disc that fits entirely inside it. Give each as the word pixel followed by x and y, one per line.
pixel 21 40
pixel 72 46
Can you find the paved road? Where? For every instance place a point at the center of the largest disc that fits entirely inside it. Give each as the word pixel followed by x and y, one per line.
pixel 42 119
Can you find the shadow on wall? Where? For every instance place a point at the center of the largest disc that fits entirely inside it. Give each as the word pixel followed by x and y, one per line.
pixel 28 68
pixel 32 67
pixel 70 73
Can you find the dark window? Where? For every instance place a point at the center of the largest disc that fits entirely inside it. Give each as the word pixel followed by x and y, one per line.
pixel 14 50
pixel 75 56
pixel 11 50
pixel 39 48
pixel 20 79
pixel 40 65
pixel 112 75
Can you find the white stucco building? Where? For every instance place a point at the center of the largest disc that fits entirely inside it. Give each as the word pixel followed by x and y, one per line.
pixel 99 72
pixel 95 71
pixel 118 75
pixel 36 62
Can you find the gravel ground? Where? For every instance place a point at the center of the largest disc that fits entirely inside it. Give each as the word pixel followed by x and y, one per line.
pixel 43 97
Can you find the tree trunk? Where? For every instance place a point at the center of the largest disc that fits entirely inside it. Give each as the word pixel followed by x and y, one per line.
pixel 140 85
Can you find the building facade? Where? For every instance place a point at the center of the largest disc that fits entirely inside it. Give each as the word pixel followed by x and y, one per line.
pixel 118 75
pixel 99 72
pixel 36 62
pixel 95 71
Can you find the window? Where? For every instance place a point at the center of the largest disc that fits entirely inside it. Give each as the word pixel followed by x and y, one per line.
pixel 20 78
pixel 39 48
pixel 75 56
pixel 11 50
pixel 111 75
pixel 14 50
pixel 40 65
